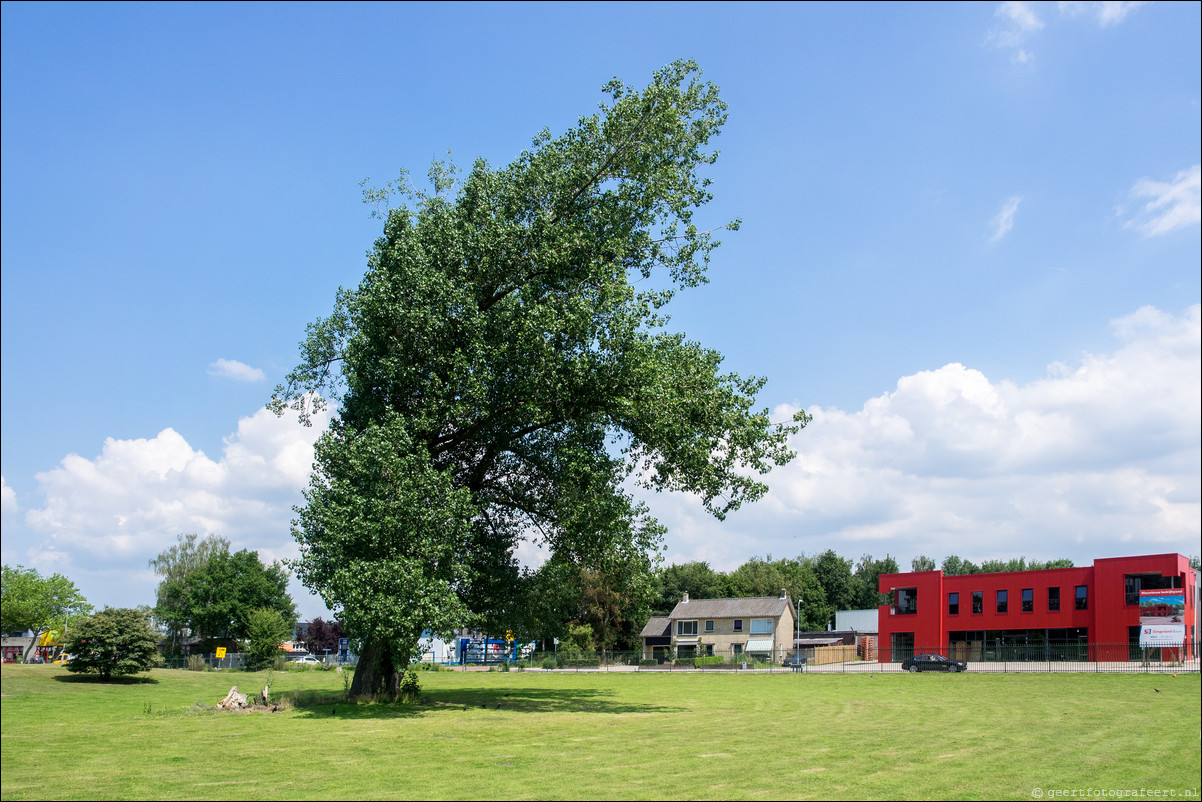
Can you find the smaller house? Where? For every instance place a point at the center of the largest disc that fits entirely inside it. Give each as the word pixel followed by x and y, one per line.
pixel 760 628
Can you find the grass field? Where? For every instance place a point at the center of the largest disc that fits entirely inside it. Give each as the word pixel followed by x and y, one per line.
pixel 604 736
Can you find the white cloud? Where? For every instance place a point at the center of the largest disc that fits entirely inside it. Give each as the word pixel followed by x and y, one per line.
pixel 1098 459
pixel 110 514
pixel 238 371
pixel 1017 21
pixel 1106 13
pixel 1019 15
pixel 8 499
pixel 1004 221
pixel 1174 204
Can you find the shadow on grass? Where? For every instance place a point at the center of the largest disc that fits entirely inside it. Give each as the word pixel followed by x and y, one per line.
pixel 317 704
pixel 96 679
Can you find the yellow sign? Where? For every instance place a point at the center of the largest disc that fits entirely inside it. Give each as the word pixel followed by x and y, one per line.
pixel 220 652
pixel 509 636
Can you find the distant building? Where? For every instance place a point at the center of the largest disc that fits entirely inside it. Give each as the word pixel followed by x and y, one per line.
pixel 1086 613
pixel 760 627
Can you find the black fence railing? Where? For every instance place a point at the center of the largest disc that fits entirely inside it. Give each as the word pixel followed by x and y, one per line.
pixel 839 659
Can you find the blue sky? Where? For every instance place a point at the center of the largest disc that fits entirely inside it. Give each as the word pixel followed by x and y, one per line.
pixel 970 246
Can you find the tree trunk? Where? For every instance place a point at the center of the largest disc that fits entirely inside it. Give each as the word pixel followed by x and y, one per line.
pixel 376 673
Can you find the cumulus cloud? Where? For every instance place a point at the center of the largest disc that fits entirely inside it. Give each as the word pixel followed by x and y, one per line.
pixel 115 511
pixel 8 499
pixel 238 371
pixel 1004 221
pixel 1106 13
pixel 1174 204
pixel 1097 459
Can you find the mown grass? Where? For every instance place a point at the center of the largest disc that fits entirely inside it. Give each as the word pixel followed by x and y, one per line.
pixel 602 736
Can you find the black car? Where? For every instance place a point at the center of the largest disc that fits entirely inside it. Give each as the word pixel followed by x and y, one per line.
pixel 933 662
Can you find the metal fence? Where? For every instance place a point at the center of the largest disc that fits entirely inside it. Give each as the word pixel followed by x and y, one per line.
pixel 1090 658
pixel 234 660
pixel 1094 658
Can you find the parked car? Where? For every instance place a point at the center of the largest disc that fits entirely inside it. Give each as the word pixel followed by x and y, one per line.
pixel 933 662
pixel 62 659
pixel 307 660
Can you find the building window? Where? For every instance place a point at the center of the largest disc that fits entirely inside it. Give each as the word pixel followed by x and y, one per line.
pixel 738 648
pixel 738 625
pixel 1028 600
pixel 686 627
pixel 953 604
pixel 1002 601
pixel 761 626
pixel 907 601
pixel 1082 597
pixel 978 602
pixel 709 626
pixel 1053 600
pixel 709 650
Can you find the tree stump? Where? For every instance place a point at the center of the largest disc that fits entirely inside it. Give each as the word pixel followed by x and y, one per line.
pixel 233 700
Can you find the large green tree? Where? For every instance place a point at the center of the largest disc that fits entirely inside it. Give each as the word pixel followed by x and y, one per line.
pixel 503 368
pixel 224 591
pixel 30 601
pixel 176 565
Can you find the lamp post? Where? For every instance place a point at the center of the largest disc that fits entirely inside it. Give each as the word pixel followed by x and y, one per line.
pixel 797 638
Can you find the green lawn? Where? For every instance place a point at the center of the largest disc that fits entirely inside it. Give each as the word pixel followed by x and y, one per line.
pixel 604 736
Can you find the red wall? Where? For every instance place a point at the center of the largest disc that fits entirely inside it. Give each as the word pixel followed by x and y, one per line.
pixel 1107 617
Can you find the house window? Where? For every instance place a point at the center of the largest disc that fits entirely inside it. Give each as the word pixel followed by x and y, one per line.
pixel 1053 600
pixel 1028 600
pixel 738 648
pixel 686 627
pixel 953 604
pixel 978 602
pixel 1002 601
pixel 1082 596
pixel 738 625
pixel 761 626
pixel 709 626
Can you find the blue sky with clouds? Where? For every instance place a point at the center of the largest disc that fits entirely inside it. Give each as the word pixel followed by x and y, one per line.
pixel 970 247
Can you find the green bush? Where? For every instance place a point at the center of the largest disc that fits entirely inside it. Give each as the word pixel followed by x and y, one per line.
pixel 196 663
pixel 550 663
pixel 410 687
pixel 712 660
pixel 647 661
pixel 114 642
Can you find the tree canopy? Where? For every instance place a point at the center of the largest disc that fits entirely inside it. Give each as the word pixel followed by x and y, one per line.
pixel 30 601
pixel 176 565
pixel 112 643
pixel 227 587
pixel 504 367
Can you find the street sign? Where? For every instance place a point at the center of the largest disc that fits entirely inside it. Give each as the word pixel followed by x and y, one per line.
pixel 220 652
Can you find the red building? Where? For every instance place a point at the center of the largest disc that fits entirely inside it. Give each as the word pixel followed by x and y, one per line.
pixel 1089 613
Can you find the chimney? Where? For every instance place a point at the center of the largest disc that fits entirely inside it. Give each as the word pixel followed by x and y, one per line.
pixel 685 600
pixel 783 593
